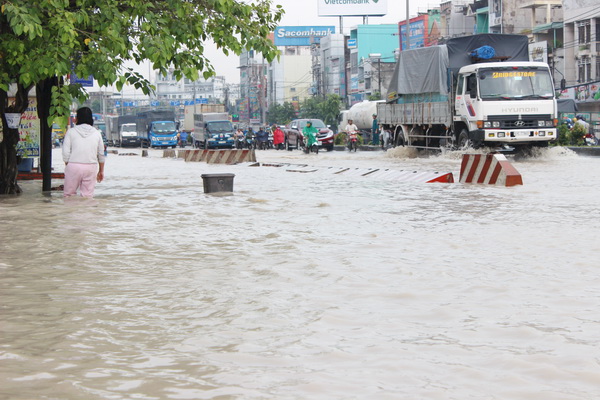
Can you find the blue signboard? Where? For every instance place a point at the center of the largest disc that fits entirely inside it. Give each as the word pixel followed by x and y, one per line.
pixel 301 35
pixel 417 34
pixel 351 43
pixel 175 102
pixel 85 82
pixel 201 101
pixel 155 103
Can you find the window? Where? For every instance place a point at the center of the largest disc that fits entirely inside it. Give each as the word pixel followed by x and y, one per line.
pixel 584 31
pixel 471 86
pixel 460 85
pixel 584 69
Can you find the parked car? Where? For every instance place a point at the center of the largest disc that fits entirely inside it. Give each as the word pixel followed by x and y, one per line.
pixel 294 138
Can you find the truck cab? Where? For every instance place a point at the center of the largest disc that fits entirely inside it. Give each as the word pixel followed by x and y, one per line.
pixel 128 135
pixel 212 130
pixel 163 134
pixel 505 104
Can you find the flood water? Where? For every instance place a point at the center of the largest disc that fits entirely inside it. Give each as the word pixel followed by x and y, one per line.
pixel 304 285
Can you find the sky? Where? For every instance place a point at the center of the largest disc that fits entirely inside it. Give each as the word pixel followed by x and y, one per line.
pixel 305 13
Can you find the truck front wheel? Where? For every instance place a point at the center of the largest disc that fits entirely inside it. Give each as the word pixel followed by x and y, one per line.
pixel 463 140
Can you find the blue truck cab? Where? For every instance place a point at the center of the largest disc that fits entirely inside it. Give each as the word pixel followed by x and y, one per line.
pixel 157 129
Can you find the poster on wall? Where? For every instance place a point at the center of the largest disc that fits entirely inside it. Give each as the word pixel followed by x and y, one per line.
pixel 566 94
pixel 29 131
pixel 585 93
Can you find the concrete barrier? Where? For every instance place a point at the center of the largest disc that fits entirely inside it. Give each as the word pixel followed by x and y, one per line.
pixel 168 153
pixel 489 169
pixel 376 173
pixel 220 156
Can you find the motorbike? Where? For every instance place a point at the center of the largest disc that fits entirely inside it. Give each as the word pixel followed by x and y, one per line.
pixel 262 140
pixel 240 142
pixel 590 140
pixel 250 142
pixel 313 148
pixel 353 141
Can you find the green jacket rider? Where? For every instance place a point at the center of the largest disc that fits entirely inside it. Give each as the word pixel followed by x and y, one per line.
pixel 310 134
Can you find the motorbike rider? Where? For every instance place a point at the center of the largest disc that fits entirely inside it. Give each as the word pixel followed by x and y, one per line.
pixel 239 138
pixel 310 135
pixel 278 137
pixel 250 138
pixel 351 129
pixel 262 137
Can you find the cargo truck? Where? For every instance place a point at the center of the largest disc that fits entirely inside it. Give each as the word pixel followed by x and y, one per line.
pixel 477 91
pixel 213 130
pixel 157 128
pixel 124 132
pixel 190 110
pixel 112 130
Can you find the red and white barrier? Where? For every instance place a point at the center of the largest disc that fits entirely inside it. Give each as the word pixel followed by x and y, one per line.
pixel 220 156
pixel 489 169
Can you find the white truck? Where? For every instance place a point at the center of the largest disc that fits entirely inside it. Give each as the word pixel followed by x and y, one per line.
pixel 213 130
pixel 361 114
pixel 477 91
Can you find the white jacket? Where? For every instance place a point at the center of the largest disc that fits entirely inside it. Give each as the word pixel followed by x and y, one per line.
pixel 83 144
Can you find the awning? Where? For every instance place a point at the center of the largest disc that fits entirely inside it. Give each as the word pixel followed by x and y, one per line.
pixel 547 27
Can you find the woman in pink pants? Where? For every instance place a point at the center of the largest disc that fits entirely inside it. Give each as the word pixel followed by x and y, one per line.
pixel 83 154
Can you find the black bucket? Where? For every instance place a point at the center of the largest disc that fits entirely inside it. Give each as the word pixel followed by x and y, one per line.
pixel 218 183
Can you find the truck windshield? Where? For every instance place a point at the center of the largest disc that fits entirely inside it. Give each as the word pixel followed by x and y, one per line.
pixel 128 130
pixel 515 83
pixel 163 127
pixel 220 127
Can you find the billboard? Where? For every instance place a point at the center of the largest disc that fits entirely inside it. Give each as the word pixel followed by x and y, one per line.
pixel 538 51
pixel 300 35
pixel 418 33
pixel 334 8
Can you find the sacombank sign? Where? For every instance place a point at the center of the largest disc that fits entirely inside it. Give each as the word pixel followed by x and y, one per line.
pixel 301 35
pixel 329 8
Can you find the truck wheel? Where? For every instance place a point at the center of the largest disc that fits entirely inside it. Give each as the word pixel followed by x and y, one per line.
pixel 463 140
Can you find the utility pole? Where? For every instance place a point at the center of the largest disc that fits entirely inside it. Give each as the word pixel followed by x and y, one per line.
pixel 379 77
pixel 407 26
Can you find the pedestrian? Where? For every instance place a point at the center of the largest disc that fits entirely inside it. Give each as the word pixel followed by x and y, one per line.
pixel 375 130
pixel 278 137
pixel 83 154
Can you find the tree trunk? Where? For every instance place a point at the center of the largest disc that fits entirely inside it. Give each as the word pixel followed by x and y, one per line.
pixel 44 99
pixel 8 146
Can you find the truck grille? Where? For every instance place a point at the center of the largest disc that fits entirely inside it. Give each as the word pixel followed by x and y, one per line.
pixel 519 121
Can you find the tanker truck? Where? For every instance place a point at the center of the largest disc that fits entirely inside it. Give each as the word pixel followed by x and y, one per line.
pixel 473 91
pixel 361 114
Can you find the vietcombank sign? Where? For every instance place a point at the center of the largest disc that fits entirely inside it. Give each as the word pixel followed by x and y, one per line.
pixel 301 35
pixel 352 7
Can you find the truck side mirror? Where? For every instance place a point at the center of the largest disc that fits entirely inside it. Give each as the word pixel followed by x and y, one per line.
pixel 563 84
